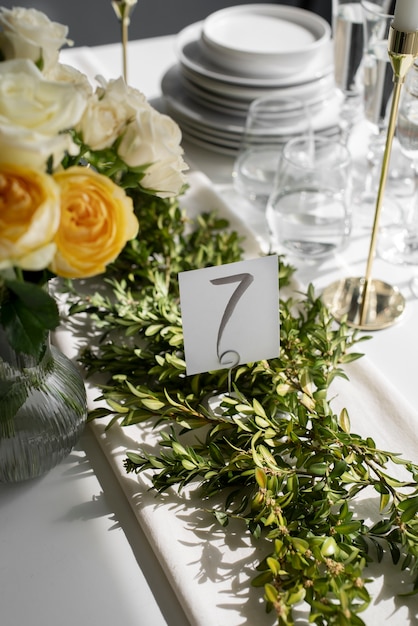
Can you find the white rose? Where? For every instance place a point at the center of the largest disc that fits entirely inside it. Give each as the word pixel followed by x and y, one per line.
pixel 30 101
pixel 67 74
pixel 28 148
pixel 154 139
pixel 108 111
pixel 166 177
pixel 30 34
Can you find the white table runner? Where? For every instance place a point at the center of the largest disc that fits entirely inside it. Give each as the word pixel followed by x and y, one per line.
pixel 210 568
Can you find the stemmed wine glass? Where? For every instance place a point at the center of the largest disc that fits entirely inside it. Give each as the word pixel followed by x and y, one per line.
pixel 399 243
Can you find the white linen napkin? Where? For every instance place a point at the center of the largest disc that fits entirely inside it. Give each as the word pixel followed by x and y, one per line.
pixel 210 568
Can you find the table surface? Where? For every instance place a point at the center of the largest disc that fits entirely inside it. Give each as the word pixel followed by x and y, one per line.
pixel 71 549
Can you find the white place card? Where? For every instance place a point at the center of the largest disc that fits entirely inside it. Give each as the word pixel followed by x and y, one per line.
pixel 230 314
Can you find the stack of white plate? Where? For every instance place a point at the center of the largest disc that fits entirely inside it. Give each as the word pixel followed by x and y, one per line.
pixel 244 52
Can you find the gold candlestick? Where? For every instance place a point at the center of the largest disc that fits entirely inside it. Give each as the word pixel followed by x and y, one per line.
pixel 369 304
pixel 123 10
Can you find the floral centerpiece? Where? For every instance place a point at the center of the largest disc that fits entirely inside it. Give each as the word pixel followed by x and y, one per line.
pixel 73 157
pixel 70 156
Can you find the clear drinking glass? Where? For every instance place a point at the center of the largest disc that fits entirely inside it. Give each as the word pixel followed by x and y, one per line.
pixel 308 211
pixel 398 243
pixel 271 121
pixel 348 37
pixel 377 71
pixel 377 76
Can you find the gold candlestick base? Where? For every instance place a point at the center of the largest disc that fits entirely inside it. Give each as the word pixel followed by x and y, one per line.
pixel 382 307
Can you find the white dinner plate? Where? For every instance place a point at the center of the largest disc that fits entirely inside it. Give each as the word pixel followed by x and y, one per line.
pixel 247 94
pixel 235 93
pixel 218 140
pixel 185 107
pixel 191 54
pixel 213 100
pixel 214 144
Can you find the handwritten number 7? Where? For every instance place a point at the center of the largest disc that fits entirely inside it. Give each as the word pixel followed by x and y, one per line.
pixel 244 281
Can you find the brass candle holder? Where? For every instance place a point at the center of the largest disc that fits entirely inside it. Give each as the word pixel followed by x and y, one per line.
pixel 365 303
pixel 123 10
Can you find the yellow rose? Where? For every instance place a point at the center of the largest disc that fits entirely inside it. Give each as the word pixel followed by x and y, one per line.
pixel 29 217
pixel 97 220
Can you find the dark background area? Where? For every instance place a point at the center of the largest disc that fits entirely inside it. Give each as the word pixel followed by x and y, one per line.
pixel 93 22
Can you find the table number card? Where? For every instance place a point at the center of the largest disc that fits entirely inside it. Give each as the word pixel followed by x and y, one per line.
pixel 230 314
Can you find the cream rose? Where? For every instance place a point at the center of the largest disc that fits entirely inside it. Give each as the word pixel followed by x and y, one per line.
pixel 29 101
pixel 29 217
pixel 108 111
pixel 97 220
pixel 30 34
pixel 62 73
pixel 154 139
pixel 31 149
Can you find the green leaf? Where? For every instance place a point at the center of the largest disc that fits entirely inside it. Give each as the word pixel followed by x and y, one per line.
pixel 347 528
pixel 262 579
pixel 271 592
pixel 329 547
pixel 344 421
pixel 410 511
pixel 27 314
pixel 153 404
pixel 260 477
pixel 13 394
pixel 274 565
pixel 221 517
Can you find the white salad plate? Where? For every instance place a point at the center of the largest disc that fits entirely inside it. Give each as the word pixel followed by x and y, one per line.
pixel 264 39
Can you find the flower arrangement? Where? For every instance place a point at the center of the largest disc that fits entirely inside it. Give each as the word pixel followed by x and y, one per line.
pixel 72 156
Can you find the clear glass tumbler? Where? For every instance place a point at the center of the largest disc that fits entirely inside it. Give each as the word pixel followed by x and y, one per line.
pixel 308 211
pixel 398 242
pixel 271 121
pixel 348 38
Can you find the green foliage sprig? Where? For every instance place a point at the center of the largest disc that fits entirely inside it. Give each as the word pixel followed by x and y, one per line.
pixel 289 468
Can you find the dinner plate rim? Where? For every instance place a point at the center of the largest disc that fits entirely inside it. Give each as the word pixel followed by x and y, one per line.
pixel 191 35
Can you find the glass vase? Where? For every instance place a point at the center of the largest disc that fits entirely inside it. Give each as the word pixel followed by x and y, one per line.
pixel 43 411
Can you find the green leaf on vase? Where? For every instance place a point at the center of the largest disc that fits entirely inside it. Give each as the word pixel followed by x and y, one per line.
pixel 13 395
pixel 27 314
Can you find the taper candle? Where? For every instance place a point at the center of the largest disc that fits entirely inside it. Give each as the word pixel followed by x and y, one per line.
pixel 406 15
